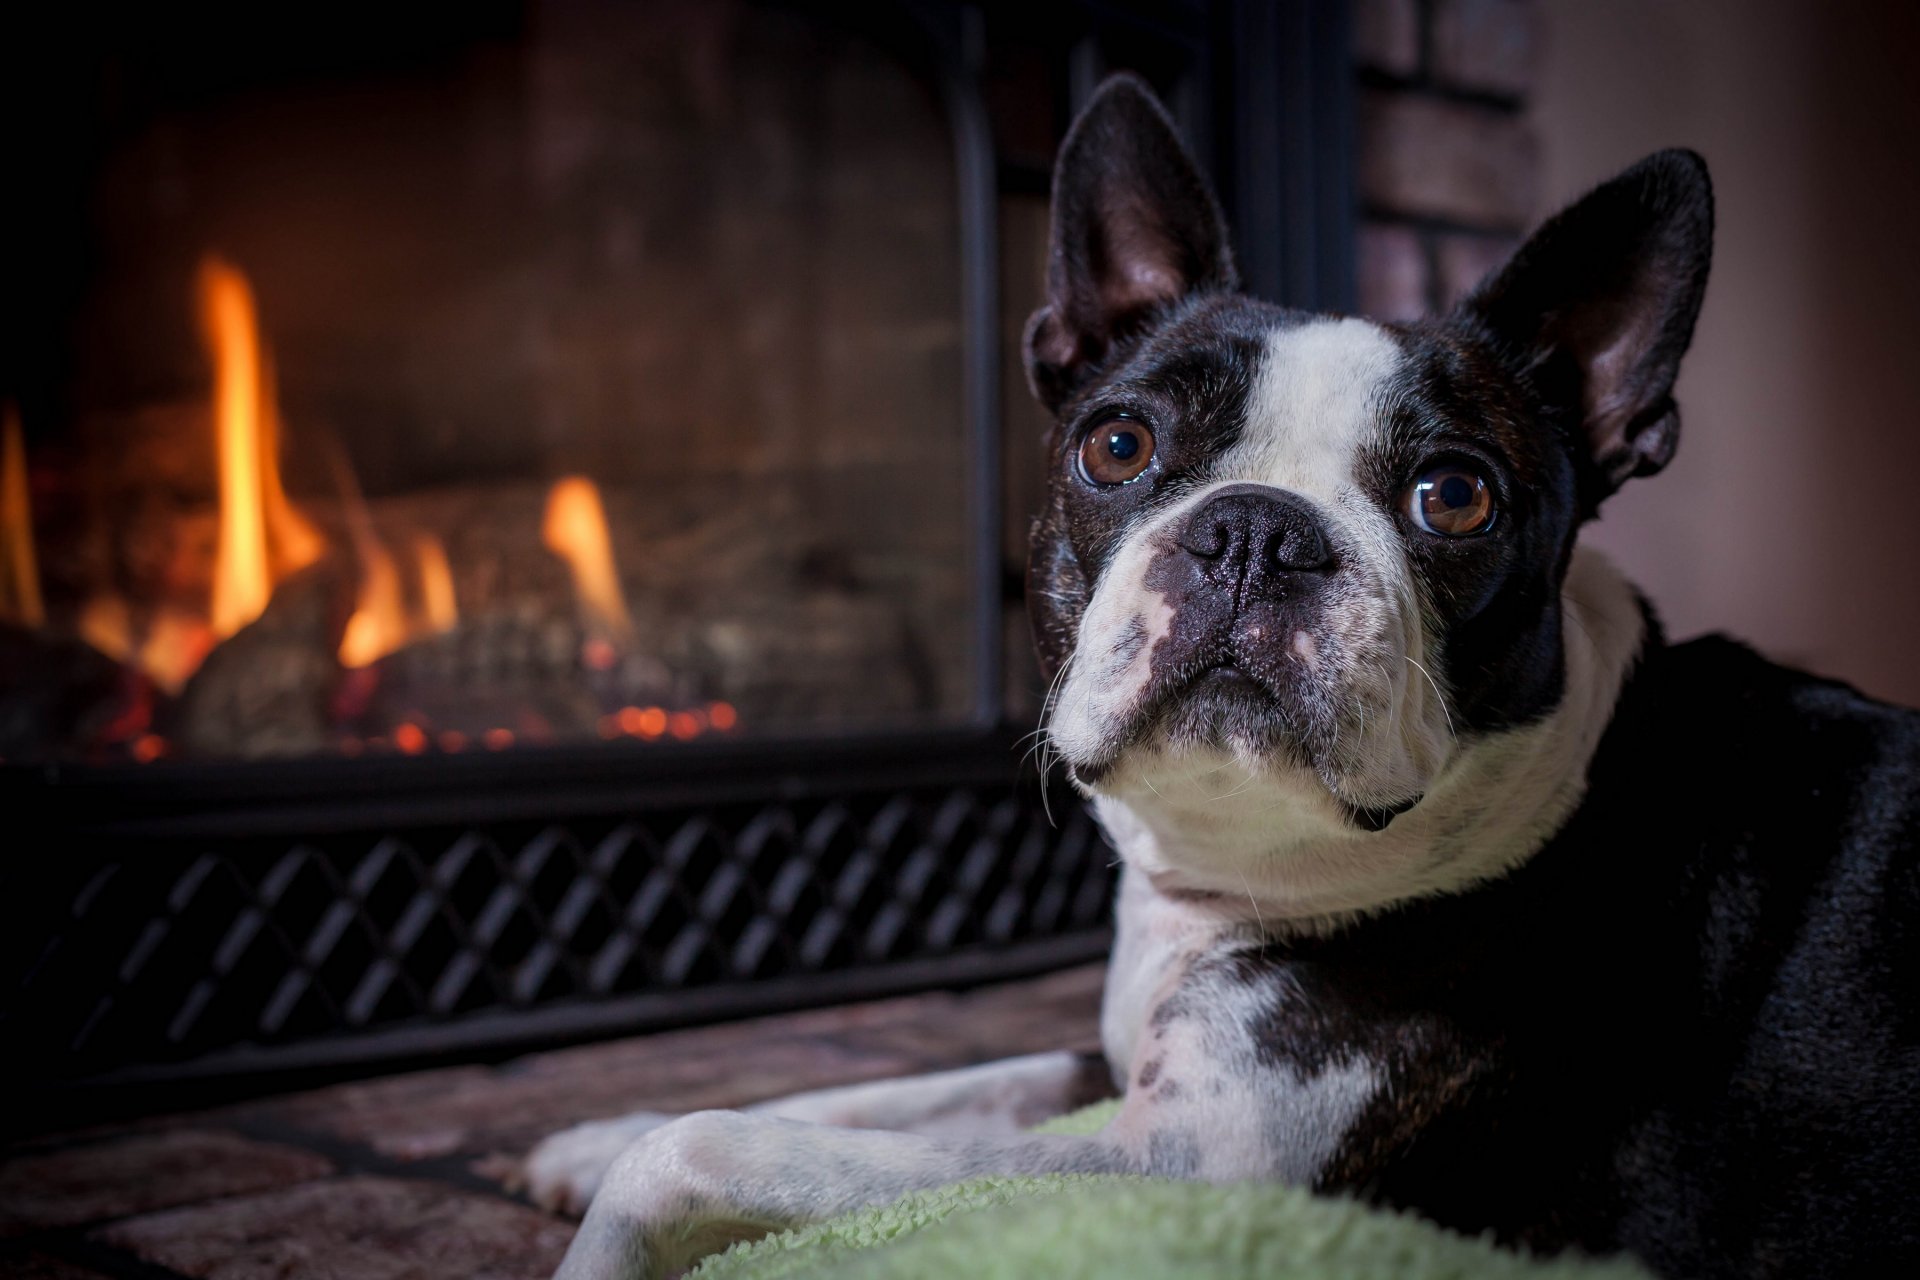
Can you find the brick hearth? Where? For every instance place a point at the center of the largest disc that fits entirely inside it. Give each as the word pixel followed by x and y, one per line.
pixel 403 1177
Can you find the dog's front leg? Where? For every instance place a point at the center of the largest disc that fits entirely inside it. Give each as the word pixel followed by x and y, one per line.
pixel 994 1097
pixel 706 1180
pixel 566 1169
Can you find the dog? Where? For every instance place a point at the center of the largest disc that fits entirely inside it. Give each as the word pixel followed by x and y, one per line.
pixel 1448 883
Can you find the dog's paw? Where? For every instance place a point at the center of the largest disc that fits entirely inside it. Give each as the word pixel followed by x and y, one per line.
pixel 563 1173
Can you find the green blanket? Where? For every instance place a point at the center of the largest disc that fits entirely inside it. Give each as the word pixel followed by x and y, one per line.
pixel 1081 1225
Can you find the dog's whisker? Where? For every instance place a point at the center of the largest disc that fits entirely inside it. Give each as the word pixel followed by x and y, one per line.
pixel 1438 696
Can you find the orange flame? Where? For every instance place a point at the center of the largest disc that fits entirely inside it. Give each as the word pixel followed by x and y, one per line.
pixel 576 530
pixel 19 571
pixel 382 623
pixel 293 539
pixel 436 583
pixel 106 624
pixel 253 505
pixel 240 582
pixel 379 622
pixel 172 643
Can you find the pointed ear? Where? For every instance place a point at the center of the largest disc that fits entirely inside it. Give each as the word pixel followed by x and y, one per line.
pixel 1600 304
pixel 1135 227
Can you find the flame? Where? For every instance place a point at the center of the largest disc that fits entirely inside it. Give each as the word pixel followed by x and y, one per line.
pixel 172 644
pixel 292 537
pixel 379 622
pixel 436 583
pixel 104 623
pixel 176 644
pixel 259 528
pixel 382 623
pixel 19 572
pixel 240 582
pixel 576 530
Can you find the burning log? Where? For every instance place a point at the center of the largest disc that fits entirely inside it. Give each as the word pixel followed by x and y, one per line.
pixel 62 699
pixel 267 689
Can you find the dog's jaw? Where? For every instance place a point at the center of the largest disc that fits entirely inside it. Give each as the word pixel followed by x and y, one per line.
pixel 1268 847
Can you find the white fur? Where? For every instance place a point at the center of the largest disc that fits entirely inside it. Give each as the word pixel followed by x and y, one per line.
pixel 565 1170
pixel 1265 840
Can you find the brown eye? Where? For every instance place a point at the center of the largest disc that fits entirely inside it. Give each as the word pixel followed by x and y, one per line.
pixel 1116 451
pixel 1451 500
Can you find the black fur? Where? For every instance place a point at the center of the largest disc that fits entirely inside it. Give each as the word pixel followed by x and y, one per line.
pixel 1135 228
pixel 1686 1028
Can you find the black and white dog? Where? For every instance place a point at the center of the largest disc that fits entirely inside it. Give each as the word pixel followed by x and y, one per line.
pixel 1447 882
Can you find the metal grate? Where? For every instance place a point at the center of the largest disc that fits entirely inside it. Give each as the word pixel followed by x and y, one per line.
pixel 171 954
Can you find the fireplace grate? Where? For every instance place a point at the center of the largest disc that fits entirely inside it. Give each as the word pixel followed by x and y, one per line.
pixel 191 953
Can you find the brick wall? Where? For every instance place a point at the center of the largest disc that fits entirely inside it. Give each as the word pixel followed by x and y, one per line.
pixel 1448 168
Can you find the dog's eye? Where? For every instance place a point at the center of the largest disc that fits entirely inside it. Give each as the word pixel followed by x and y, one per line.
pixel 1451 500
pixel 1116 451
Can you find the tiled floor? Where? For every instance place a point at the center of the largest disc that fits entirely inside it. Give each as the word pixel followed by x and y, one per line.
pixel 403 1176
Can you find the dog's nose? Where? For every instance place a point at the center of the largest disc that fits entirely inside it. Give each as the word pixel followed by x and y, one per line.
pixel 1255 532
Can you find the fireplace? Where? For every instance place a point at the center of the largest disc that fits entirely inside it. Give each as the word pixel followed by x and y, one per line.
pixel 511 519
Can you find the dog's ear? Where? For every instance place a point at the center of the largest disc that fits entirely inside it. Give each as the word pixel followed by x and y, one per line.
pixel 1135 227
pixel 1600 305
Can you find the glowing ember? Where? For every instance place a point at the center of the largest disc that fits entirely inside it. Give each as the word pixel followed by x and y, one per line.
pixel 575 529
pixel 599 654
pixel 722 716
pixel 19 572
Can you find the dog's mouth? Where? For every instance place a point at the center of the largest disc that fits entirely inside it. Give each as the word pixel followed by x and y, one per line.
pixel 1211 701
pixel 1223 703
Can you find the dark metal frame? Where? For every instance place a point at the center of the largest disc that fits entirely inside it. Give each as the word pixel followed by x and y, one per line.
pixel 1262 89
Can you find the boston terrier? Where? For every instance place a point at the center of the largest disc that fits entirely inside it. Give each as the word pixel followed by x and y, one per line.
pixel 1448 883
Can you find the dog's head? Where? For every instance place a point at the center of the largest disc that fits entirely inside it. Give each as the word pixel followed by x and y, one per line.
pixel 1330 550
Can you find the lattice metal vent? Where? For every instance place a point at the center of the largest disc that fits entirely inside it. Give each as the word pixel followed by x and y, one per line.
pixel 186 948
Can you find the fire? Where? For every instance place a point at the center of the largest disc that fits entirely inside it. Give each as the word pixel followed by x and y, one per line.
pixel 436 583
pixel 172 642
pixel 19 572
pixel 379 623
pixel 294 542
pixel 575 529
pixel 382 623
pixel 255 516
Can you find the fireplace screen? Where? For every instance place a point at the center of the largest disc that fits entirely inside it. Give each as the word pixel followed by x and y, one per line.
pixel 601 377
pixel 503 534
